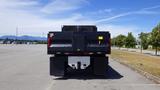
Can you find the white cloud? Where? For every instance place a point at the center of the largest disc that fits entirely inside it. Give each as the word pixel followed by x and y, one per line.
pixel 118 29
pixel 100 12
pixel 153 7
pixel 141 11
pixel 125 14
pixel 59 6
pixel 13 14
pixel 10 4
pixel 107 10
pixel 29 23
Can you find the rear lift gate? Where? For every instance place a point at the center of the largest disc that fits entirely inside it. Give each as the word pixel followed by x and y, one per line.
pixel 72 42
pixel 79 42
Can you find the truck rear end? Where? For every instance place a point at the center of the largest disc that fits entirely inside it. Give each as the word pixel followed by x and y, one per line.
pixel 78 48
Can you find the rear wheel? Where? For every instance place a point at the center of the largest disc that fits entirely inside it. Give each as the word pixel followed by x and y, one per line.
pixel 58 65
pixel 100 65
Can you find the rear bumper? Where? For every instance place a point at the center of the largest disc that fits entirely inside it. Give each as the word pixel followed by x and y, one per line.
pixel 88 51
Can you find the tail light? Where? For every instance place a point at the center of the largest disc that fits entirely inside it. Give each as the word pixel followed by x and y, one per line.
pixel 50 38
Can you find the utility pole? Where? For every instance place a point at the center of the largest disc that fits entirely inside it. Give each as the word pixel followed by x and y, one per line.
pixel 141 45
pixel 16 34
pixel 159 28
pixel 140 41
pixel 159 33
pixel 43 34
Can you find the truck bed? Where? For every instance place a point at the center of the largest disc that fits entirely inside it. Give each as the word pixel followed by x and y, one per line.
pixel 78 43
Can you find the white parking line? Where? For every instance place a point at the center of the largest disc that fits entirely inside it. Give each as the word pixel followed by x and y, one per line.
pixel 50 85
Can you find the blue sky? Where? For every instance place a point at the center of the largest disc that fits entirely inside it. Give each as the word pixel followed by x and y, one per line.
pixel 37 17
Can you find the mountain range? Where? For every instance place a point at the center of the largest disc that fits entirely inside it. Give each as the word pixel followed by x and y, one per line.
pixel 25 37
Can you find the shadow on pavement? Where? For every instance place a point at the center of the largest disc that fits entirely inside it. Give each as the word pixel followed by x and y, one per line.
pixel 110 74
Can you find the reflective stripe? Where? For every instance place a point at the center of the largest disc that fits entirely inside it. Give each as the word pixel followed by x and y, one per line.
pixel 96 45
pixel 61 45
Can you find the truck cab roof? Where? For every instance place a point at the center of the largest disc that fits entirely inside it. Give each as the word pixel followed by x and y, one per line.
pixel 79 28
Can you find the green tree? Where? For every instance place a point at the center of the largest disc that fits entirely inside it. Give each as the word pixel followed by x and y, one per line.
pixel 120 40
pixel 155 37
pixel 144 40
pixel 113 41
pixel 130 41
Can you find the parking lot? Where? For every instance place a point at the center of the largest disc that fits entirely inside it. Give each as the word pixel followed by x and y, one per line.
pixel 26 67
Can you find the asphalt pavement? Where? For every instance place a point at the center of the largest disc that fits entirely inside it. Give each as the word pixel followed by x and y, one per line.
pixel 26 67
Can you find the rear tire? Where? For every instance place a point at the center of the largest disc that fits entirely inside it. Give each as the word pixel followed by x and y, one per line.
pixel 58 65
pixel 100 65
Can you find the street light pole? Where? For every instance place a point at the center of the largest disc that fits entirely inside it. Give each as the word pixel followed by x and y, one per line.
pixel 16 34
pixel 140 41
pixel 159 31
pixel 141 45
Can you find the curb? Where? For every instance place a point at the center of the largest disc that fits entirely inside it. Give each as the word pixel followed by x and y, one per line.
pixel 146 74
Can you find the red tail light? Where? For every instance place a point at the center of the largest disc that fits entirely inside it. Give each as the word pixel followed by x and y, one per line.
pixel 50 37
pixel 49 41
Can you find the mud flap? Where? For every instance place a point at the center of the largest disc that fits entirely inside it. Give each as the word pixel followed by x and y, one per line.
pixel 100 65
pixel 57 65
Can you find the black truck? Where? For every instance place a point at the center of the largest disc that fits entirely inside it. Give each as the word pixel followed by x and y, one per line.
pixel 78 48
